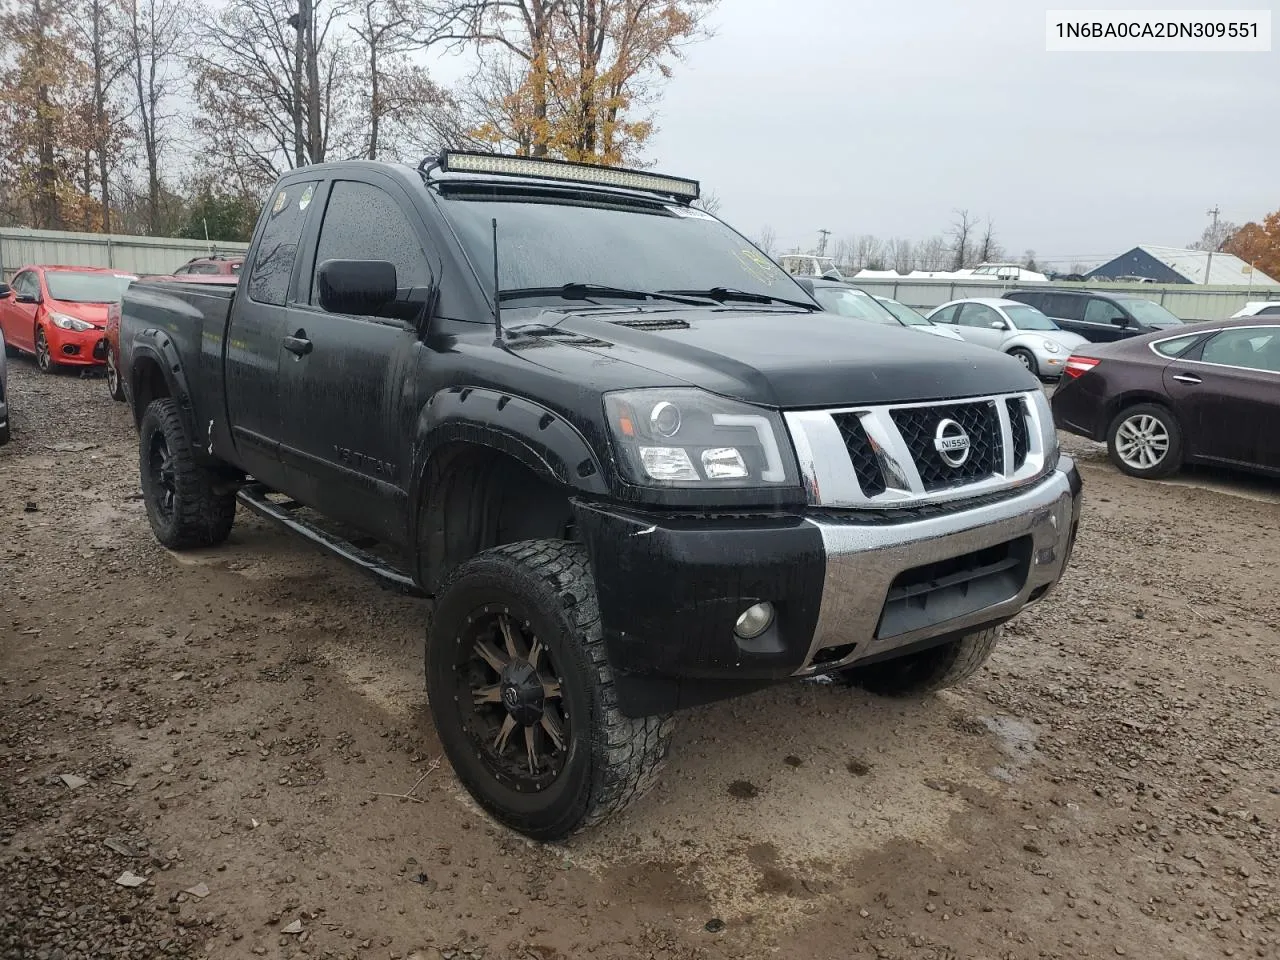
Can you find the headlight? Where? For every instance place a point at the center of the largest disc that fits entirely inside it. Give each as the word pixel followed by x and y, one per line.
pixel 1050 347
pixel 684 437
pixel 71 323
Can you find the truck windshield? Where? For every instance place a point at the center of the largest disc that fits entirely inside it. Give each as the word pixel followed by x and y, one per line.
pixel 74 287
pixel 547 244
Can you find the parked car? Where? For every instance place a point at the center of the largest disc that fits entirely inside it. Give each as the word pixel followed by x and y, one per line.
pixel 58 313
pixel 109 346
pixel 838 297
pixel 1098 317
pixel 916 320
pixel 4 390
pixel 628 490
pixel 1014 328
pixel 1258 308
pixel 1208 393
pixel 212 266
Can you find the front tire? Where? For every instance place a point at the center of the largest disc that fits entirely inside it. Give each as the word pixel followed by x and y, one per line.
pixel 4 433
pixel 1145 441
pixel 44 359
pixel 183 503
pixel 523 697
pixel 1027 359
pixel 114 385
pixel 936 668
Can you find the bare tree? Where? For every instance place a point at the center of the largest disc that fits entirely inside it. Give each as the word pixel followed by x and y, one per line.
pixel 155 33
pixel 931 254
pixel 389 31
pixel 767 240
pixel 989 249
pixel 960 234
pixel 902 255
pixel 97 28
pixel 276 90
pixel 710 202
pixel 1215 236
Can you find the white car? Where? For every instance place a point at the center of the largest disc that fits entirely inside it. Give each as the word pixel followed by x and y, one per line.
pixel 916 321
pixel 1258 308
pixel 1014 328
pixel 847 301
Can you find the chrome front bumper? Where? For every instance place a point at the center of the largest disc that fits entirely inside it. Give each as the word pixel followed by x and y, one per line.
pixel 862 562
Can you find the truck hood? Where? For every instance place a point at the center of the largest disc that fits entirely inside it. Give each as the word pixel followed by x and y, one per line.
pixel 791 360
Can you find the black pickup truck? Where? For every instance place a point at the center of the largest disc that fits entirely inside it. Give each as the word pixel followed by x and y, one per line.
pixel 632 463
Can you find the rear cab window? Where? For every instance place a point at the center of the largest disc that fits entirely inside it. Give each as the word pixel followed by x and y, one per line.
pixel 286 213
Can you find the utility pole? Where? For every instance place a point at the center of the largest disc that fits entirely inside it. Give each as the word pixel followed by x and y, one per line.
pixel 1213 240
pixel 822 241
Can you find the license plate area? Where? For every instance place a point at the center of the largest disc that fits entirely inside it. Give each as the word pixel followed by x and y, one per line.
pixel 933 593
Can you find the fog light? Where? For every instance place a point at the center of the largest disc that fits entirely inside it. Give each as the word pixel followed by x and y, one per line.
pixel 755 620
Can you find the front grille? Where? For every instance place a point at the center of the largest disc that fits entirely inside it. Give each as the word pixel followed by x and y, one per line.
pixel 1017 408
pixel 865 463
pixel 919 426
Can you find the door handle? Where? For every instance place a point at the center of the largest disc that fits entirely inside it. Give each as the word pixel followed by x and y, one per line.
pixel 298 344
pixel 1186 378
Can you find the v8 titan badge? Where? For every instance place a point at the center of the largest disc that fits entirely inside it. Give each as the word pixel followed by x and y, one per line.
pixel 281 199
pixel 305 200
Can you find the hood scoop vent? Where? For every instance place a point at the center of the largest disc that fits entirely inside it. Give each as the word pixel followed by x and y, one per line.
pixel 655 324
pixel 563 336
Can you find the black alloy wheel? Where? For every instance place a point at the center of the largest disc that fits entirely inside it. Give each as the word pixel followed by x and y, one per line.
pixel 519 721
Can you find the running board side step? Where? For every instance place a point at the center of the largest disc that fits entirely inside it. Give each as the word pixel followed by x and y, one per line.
pixel 255 497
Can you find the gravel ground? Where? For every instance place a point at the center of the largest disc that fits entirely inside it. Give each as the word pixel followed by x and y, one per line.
pixel 230 728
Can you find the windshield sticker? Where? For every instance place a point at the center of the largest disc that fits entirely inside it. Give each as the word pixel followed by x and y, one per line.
pixel 757 265
pixel 305 200
pixel 281 199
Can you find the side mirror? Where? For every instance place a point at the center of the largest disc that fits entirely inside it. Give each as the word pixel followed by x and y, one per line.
pixel 4 290
pixel 999 325
pixel 26 298
pixel 358 287
pixel 1120 321
pixel 806 283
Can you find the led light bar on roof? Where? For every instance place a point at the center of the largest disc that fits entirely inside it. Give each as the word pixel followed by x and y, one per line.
pixel 457 162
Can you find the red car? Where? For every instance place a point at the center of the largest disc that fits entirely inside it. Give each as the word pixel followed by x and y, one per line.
pixel 58 313
pixel 216 265
pixel 109 346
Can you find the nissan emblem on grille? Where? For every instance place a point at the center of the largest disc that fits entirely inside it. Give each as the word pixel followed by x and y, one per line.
pixel 952 443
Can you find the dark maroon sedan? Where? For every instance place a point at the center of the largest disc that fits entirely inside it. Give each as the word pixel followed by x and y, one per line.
pixel 1209 393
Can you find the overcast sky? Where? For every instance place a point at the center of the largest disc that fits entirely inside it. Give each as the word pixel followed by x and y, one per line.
pixel 881 117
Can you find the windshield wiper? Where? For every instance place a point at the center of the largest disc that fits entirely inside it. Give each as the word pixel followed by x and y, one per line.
pixel 725 294
pixel 585 291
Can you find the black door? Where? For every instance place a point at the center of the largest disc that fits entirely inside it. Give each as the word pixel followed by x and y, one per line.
pixel 1106 322
pixel 348 383
pixel 1227 397
pixel 1067 311
pixel 258 322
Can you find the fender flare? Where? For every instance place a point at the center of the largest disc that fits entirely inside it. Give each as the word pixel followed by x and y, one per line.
pixel 545 442
pixel 158 347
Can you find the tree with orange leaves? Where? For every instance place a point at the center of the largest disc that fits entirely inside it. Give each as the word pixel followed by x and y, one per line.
pixel 585 72
pixel 1258 245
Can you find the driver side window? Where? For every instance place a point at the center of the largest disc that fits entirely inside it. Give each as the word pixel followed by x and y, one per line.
pixel 946 315
pixel 977 315
pixel 1100 311
pixel 26 284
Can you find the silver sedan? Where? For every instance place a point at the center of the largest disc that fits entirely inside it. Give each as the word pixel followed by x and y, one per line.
pixel 1014 328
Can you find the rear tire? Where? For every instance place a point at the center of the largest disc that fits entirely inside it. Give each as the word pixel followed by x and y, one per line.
pixel 183 504
pixel 929 670
pixel 1027 359
pixel 4 433
pixel 1145 441
pixel 114 385
pixel 11 351
pixel 515 645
